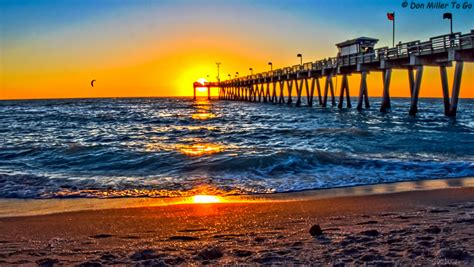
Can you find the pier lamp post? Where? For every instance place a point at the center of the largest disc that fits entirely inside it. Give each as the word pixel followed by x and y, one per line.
pixel 237 74
pixel 450 17
pixel 301 58
pixel 271 66
pixel 207 77
pixel 218 63
pixel 251 71
pixel 229 76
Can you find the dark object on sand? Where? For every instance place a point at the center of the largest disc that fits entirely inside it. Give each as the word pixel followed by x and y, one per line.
pixel 145 254
pixel 315 230
pixel 210 254
pixel 370 232
pixel 47 262
pixel 433 230
pixel 453 253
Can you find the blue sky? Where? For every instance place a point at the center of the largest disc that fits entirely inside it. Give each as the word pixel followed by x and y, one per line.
pixel 167 44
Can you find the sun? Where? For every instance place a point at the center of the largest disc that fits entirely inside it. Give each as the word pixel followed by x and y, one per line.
pixel 202 81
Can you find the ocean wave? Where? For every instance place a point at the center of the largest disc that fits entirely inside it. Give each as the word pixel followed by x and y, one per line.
pixel 169 147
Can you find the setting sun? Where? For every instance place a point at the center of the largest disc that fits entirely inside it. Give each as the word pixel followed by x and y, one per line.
pixel 201 81
pixel 206 199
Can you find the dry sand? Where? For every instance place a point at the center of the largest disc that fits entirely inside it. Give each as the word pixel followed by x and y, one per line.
pixel 425 227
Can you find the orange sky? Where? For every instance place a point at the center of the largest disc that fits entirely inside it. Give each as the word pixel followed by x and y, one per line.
pixel 159 51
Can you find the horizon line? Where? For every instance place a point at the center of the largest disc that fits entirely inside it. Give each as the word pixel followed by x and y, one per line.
pixel 215 97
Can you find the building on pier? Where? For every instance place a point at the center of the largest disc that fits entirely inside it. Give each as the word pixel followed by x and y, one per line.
pixel 356 46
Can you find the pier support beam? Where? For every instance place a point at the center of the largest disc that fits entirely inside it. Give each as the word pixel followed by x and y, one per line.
pixel 299 90
pixel 262 90
pixel 318 87
pixel 289 83
pixel 445 86
pixel 267 93
pixel 363 92
pixel 281 100
pixel 274 96
pixel 416 91
pixel 194 92
pixel 329 85
pixel 309 92
pixel 456 88
pixel 385 107
pixel 208 93
pixel 411 80
pixel 344 90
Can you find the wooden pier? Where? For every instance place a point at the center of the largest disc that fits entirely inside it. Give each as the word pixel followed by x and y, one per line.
pixel 440 51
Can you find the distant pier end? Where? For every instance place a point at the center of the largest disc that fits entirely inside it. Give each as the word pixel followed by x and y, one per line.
pixel 358 56
pixel 207 85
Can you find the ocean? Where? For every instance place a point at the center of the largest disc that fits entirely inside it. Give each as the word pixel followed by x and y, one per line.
pixel 164 147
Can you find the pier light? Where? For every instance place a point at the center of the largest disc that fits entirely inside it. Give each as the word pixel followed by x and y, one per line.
pixel 271 66
pixel 449 16
pixel 301 58
pixel 251 71
pixel 229 76
pixel 218 64
pixel 237 74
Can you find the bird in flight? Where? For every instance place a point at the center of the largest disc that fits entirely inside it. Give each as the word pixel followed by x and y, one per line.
pixel 92 83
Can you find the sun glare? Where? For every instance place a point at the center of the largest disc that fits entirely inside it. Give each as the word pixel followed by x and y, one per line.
pixel 202 81
pixel 206 199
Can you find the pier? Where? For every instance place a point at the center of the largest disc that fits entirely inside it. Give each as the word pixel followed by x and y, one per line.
pixel 358 56
pixel 207 85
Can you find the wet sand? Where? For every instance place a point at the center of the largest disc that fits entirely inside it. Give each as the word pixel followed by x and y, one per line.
pixel 425 227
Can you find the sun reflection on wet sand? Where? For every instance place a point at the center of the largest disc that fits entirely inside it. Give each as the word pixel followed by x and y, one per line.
pixel 206 199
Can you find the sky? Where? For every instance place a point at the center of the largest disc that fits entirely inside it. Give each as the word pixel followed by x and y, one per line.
pixel 136 48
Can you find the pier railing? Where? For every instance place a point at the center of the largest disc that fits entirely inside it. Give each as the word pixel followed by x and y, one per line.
pixel 440 51
pixel 402 50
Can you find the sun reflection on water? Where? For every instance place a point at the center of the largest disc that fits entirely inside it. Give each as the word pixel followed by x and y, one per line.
pixel 203 111
pixel 203 116
pixel 200 149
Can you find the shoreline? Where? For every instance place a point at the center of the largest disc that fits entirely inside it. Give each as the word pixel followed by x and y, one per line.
pixel 413 227
pixel 39 207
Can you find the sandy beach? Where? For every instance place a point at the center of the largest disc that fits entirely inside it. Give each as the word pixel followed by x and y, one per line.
pixel 414 227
